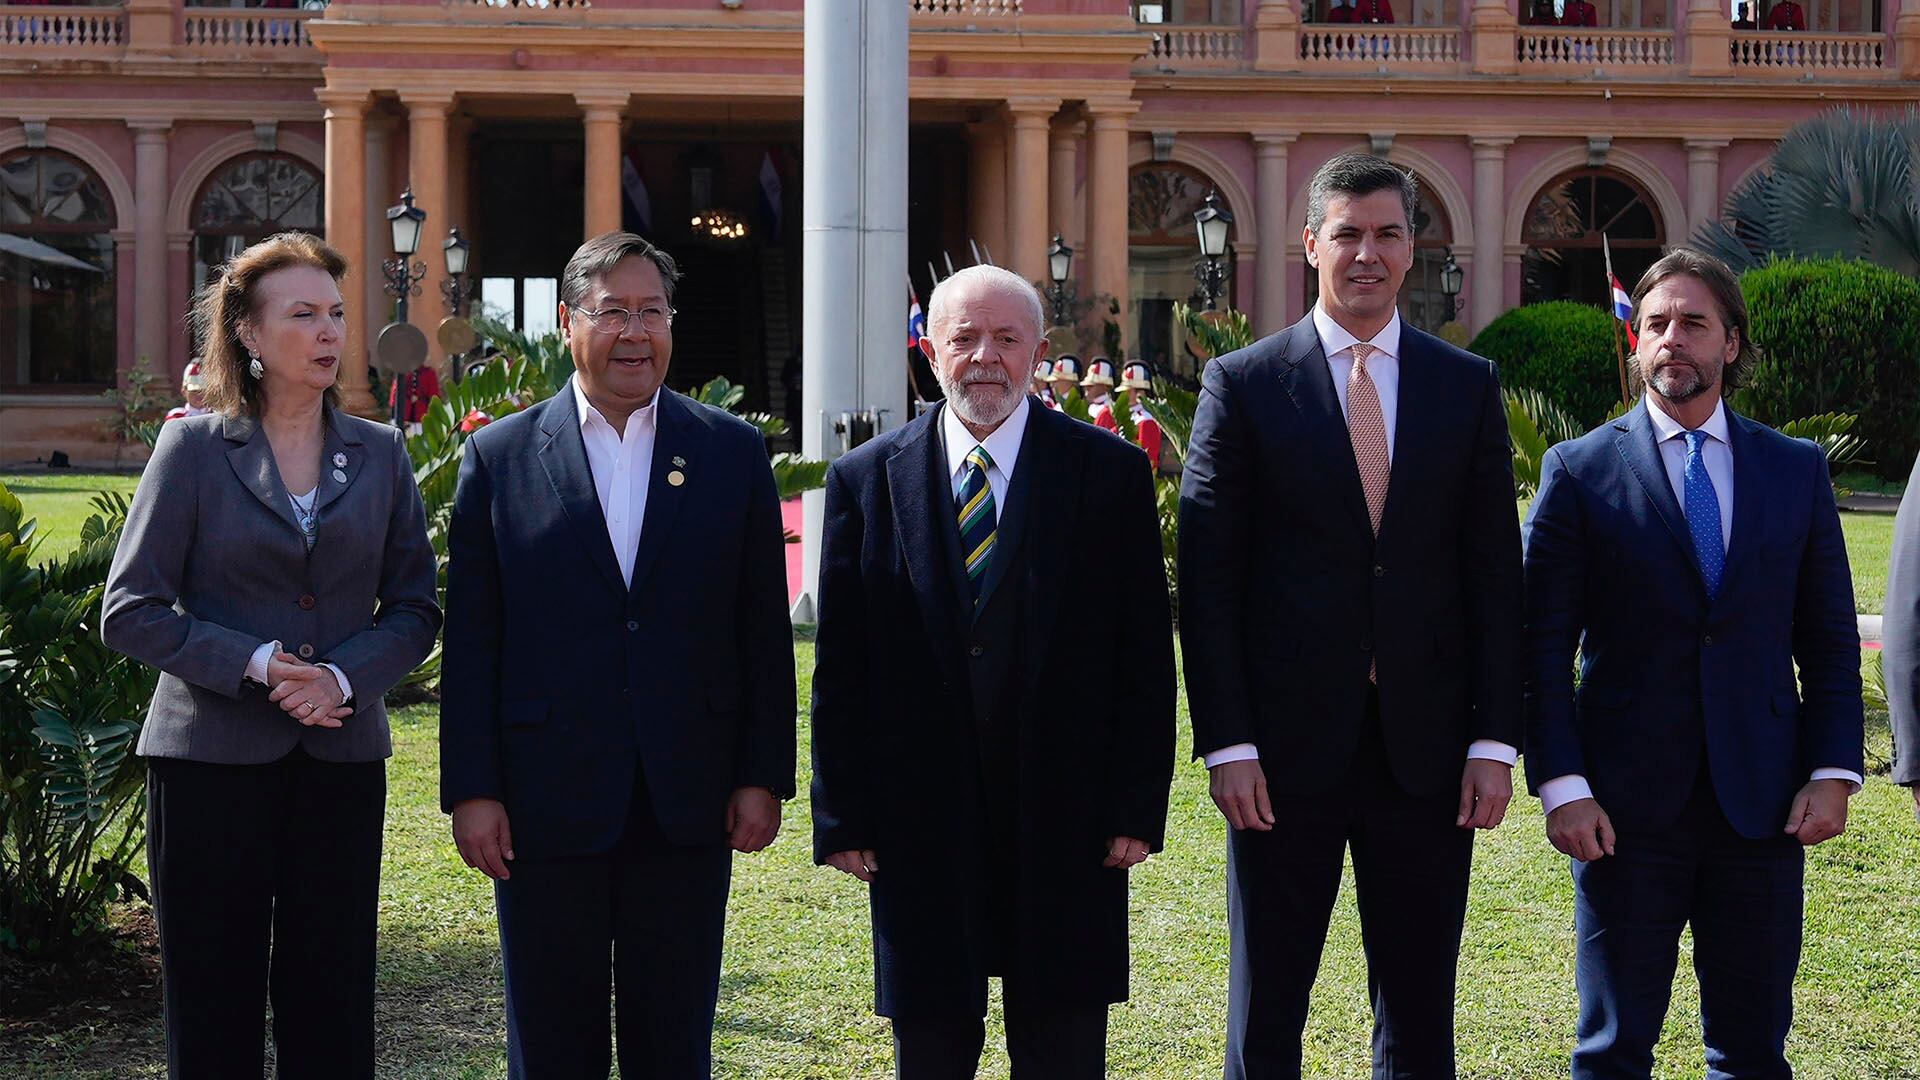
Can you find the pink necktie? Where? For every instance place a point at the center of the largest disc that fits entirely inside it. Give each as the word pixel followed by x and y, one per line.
pixel 1368 430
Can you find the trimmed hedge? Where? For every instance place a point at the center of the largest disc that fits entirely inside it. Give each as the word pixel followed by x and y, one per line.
pixel 1838 336
pixel 1564 350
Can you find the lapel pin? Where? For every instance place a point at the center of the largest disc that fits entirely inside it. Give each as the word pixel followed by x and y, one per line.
pixel 339 459
pixel 340 476
pixel 680 461
pixel 676 478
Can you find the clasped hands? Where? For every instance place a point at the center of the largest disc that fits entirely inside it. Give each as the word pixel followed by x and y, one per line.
pixel 1122 852
pixel 307 692
pixel 1239 789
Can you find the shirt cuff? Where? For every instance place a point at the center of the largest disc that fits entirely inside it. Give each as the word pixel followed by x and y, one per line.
pixel 346 688
pixel 1493 750
pixel 257 665
pixel 1562 790
pixel 1245 751
pixel 1848 775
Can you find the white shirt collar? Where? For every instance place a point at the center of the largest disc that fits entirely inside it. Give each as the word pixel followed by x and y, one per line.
pixel 644 414
pixel 1666 427
pixel 1003 443
pixel 1335 338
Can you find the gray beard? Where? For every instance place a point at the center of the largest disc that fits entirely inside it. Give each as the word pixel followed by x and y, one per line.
pixel 968 406
pixel 1679 388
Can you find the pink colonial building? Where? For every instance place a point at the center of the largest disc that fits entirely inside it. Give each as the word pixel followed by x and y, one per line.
pixel 141 142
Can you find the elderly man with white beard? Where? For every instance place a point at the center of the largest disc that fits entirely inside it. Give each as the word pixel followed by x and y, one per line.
pixel 992 811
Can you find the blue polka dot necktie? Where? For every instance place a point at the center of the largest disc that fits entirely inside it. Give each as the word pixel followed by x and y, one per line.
pixel 1702 506
pixel 977 519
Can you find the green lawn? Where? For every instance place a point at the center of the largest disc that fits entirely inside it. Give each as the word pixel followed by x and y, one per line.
pixel 798 977
pixel 1869 545
pixel 61 501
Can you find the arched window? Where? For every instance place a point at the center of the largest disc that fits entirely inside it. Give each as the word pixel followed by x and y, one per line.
pixel 1162 250
pixel 250 199
pixel 1422 302
pixel 57 316
pixel 1564 226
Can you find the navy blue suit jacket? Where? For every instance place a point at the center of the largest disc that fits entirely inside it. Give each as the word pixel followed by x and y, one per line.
pixel 1286 594
pixel 1666 673
pixel 558 677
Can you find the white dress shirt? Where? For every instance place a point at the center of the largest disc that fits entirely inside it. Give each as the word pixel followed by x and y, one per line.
pixel 622 465
pixel 1003 446
pixel 1717 454
pixel 1383 367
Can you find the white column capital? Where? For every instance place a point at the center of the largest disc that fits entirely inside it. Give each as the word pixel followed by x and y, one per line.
pixel 426 103
pixel 1267 143
pixel 1032 112
pixel 150 131
pixel 341 101
pixel 1109 113
pixel 1490 146
pixel 1706 147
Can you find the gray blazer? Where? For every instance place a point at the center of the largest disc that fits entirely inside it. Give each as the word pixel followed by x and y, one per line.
pixel 212 564
pixel 1900 635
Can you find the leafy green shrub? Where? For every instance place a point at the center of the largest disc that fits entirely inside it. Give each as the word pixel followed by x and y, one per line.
pixel 70 711
pixel 1838 336
pixel 1562 349
pixel 1534 426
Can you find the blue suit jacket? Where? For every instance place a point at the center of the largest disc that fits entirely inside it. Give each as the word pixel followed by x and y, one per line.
pixel 559 677
pixel 1666 673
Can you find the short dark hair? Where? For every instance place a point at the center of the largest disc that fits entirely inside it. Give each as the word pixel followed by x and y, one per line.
pixel 1725 287
pixel 1356 174
pixel 600 255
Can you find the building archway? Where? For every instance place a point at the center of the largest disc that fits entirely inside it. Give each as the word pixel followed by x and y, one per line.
pixel 58 314
pixel 1572 220
pixel 1162 251
pixel 249 198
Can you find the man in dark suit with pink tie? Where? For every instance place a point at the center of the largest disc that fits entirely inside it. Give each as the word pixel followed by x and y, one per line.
pixel 1350 616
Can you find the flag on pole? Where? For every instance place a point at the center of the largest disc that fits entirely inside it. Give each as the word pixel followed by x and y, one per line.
pixel 636 190
pixel 916 319
pixel 772 196
pixel 1622 303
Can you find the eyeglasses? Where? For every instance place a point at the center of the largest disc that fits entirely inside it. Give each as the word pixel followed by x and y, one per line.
pixel 615 320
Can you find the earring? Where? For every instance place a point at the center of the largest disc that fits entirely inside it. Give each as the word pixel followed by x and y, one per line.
pixel 253 365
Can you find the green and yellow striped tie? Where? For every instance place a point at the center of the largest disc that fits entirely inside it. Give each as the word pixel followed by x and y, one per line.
pixel 977 519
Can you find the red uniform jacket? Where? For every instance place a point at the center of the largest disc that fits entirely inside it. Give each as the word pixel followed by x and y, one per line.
pixel 1580 13
pixel 1372 11
pixel 422 386
pixel 1786 16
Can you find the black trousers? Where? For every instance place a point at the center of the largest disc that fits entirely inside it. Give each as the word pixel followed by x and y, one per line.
pixel 660 910
pixel 1411 865
pixel 1744 900
pixel 1044 1043
pixel 266 881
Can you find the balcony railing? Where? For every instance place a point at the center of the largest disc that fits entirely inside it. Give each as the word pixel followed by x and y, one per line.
pixel 1565 47
pixel 1190 48
pixel 1793 54
pixel 63 31
pixel 971 8
pixel 1405 48
pixel 225 31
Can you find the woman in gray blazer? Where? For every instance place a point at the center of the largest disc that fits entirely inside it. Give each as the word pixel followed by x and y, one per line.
pixel 275 568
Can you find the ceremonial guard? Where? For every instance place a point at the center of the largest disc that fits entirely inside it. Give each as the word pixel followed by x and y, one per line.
pixel 1580 13
pixel 1042 371
pixel 1066 376
pixel 1786 15
pixel 1372 11
pixel 193 387
pixel 1137 380
pixel 1340 13
pixel 412 395
pixel 1097 388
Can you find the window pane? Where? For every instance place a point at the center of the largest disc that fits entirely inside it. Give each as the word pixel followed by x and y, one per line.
pixel 497 300
pixel 543 296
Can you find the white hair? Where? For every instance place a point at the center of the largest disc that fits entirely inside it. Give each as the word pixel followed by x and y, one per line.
pixel 987 279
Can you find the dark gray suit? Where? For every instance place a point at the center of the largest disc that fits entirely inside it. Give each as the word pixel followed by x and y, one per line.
pixel 263 834
pixel 212 563
pixel 1900 636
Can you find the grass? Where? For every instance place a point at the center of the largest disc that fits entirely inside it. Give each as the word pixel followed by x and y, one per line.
pixel 1869 546
pixel 61 501
pixel 1862 482
pixel 797 986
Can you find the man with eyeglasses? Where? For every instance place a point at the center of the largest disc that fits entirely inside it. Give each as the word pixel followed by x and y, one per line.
pixel 617 709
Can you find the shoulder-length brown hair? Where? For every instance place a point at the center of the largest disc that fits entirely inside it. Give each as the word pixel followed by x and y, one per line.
pixel 230 299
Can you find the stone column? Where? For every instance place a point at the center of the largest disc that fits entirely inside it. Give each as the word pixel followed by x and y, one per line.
pixel 459 203
pixel 1107 206
pixel 150 313
pixel 987 186
pixel 1709 38
pixel 1494 30
pixel 1906 40
pixel 346 231
pixel 1276 36
pixel 1271 270
pixel 427 175
pixel 377 182
pixel 603 115
pixel 1063 168
pixel 1027 232
pixel 1489 224
pixel 1703 181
